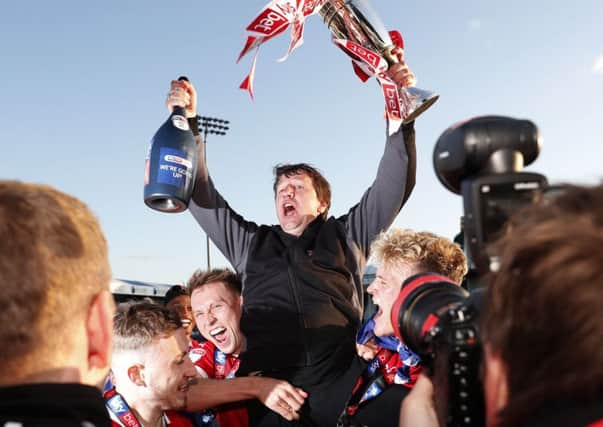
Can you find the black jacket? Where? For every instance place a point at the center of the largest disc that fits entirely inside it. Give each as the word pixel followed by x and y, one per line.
pixel 303 296
pixel 53 404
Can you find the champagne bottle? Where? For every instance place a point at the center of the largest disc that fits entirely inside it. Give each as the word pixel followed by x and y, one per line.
pixel 171 164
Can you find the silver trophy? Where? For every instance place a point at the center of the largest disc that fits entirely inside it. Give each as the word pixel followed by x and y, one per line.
pixel 356 21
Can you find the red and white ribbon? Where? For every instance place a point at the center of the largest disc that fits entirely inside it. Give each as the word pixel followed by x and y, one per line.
pixel 272 20
pixel 278 15
pixel 368 63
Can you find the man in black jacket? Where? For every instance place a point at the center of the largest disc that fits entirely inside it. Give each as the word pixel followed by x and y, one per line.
pixel 302 287
pixel 57 310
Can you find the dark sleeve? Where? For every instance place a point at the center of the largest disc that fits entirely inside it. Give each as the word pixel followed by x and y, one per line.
pixel 391 188
pixel 228 230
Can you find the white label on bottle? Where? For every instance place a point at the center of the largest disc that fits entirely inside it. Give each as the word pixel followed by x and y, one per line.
pixel 175 168
pixel 178 160
pixel 180 122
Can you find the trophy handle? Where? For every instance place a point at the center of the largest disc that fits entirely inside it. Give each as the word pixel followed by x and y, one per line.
pixel 415 101
pixel 355 22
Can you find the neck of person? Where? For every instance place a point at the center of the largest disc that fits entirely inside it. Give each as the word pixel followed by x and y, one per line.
pixel 148 414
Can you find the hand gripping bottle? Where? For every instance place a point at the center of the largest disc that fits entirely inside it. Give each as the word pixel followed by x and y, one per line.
pixel 171 164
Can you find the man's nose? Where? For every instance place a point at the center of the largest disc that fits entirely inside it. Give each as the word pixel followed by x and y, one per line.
pixel 210 318
pixel 371 288
pixel 289 190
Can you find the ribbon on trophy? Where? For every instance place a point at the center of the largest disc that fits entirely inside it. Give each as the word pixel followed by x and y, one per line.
pixel 354 34
pixel 368 63
pixel 272 20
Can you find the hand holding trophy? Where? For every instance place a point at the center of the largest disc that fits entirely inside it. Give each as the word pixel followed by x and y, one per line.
pixel 357 29
pixel 359 32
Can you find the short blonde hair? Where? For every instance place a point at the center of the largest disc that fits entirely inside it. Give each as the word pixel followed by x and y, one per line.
pixel 136 325
pixel 53 262
pixel 426 251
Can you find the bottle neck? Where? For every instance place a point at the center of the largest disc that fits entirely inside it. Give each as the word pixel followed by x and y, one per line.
pixel 179 111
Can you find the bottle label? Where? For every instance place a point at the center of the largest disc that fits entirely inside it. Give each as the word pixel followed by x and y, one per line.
pixel 175 167
pixel 180 122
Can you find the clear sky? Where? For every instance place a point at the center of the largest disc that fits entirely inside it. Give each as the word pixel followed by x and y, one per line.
pixel 83 87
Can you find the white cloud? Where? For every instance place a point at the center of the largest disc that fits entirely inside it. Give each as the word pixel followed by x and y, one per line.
pixel 475 24
pixel 598 65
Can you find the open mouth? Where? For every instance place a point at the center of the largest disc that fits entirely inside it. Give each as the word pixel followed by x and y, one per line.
pixel 379 310
pixel 185 322
pixel 219 334
pixel 288 209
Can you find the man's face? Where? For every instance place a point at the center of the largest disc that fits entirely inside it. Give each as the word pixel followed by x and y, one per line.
pixel 217 311
pixel 182 305
pixel 168 369
pixel 384 291
pixel 296 203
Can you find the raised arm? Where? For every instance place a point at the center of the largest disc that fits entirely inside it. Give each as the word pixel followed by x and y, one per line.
pixel 229 231
pixel 395 178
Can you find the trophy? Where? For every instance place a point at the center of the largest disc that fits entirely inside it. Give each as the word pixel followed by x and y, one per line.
pixel 358 25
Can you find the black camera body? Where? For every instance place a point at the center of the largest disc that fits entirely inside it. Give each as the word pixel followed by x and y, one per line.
pixel 488 201
pixel 438 320
pixel 482 159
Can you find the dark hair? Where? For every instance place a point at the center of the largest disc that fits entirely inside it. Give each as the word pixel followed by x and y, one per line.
pixel 201 277
pixel 542 310
pixel 319 182
pixel 174 292
pixel 138 324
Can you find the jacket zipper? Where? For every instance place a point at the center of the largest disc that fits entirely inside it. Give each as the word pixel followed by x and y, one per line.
pixel 294 289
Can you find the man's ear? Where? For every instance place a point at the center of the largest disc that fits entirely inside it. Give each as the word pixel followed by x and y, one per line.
pixel 136 374
pixel 99 331
pixel 322 207
pixel 496 385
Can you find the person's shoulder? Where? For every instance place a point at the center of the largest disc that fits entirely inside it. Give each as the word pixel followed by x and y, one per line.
pixel 201 350
pixel 196 343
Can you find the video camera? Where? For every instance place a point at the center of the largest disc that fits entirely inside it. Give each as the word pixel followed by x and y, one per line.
pixel 438 320
pixel 482 159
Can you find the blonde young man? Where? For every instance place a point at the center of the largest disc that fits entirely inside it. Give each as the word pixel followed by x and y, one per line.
pixel 56 315
pixel 217 305
pixel 402 253
pixel 398 255
pixel 151 368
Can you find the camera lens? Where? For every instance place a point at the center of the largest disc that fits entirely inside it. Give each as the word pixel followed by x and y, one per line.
pixel 422 301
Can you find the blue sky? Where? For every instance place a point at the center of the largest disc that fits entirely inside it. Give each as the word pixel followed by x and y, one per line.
pixel 83 85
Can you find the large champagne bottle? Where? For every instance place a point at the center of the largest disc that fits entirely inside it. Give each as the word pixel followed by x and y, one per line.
pixel 171 164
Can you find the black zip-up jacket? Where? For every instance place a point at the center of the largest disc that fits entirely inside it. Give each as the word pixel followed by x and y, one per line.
pixel 53 404
pixel 303 295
